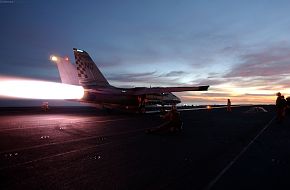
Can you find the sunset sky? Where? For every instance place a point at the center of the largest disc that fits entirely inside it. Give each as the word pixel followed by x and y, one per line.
pixel 240 48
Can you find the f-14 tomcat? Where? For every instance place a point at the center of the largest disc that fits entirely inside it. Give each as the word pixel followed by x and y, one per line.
pixel 99 93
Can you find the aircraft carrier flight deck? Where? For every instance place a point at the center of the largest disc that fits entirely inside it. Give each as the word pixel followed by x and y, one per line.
pixel 80 148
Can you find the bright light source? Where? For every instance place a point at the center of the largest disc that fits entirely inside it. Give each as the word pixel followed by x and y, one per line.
pixel 32 89
pixel 79 50
pixel 53 58
pixel 208 107
pixel 66 58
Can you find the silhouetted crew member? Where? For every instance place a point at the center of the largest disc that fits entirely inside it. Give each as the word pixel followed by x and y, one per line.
pixel 288 105
pixel 229 104
pixel 284 105
pixel 280 107
pixel 173 122
pixel 288 101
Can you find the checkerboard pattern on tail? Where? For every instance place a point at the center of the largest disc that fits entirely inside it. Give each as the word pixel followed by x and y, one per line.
pixel 88 72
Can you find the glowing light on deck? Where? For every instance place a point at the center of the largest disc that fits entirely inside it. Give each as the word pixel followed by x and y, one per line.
pixel 32 89
pixel 208 107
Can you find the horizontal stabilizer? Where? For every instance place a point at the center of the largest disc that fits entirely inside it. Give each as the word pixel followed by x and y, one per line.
pixel 157 90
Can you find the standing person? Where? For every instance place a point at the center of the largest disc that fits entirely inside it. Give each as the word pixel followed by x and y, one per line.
pixel 288 105
pixel 279 107
pixel 229 104
pixel 284 105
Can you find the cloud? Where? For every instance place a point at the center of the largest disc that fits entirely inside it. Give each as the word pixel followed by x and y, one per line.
pixel 275 88
pixel 257 81
pixel 222 98
pixel 210 81
pixel 144 79
pixel 174 74
pixel 209 94
pixel 272 61
pixel 133 77
pixel 260 95
pixel 107 63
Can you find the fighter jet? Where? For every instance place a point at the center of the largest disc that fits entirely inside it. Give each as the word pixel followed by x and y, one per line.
pixel 99 93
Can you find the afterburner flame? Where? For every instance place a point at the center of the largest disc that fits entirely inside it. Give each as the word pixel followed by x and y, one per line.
pixel 32 89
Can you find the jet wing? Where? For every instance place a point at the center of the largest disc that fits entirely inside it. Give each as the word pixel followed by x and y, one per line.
pixel 158 90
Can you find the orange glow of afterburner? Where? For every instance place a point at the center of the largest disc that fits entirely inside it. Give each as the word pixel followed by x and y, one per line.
pixel 33 89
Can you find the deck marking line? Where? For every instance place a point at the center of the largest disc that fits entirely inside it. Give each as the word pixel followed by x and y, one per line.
pixel 215 180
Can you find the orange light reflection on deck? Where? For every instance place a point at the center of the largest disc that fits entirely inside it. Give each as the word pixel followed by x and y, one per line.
pixel 32 89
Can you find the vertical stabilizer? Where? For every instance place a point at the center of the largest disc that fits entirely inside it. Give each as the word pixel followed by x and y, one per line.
pixel 88 72
pixel 67 71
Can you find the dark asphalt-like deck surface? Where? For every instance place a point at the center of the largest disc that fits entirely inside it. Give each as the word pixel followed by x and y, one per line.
pixel 79 148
